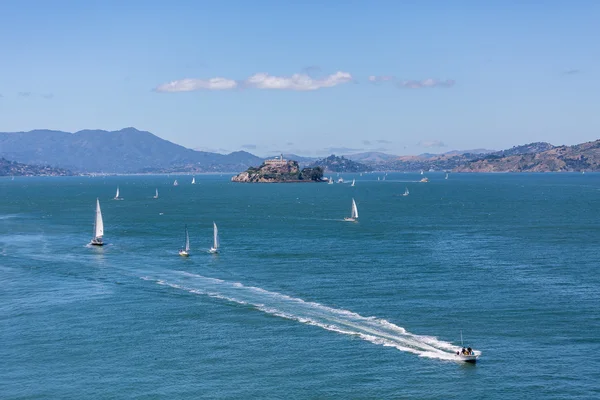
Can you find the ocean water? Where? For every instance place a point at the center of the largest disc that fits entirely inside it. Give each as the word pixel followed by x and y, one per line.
pixel 299 304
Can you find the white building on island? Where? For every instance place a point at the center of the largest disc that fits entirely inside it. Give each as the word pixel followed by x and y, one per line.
pixel 276 161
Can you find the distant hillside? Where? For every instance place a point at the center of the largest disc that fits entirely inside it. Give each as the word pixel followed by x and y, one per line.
pixel 340 164
pixel 371 157
pixel 12 168
pixel 125 151
pixel 530 148
pixel 581 157
pixel 473 151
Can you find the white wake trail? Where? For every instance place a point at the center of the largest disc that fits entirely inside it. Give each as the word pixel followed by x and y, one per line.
pixel 372 329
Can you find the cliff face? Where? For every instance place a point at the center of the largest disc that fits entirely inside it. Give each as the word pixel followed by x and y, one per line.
pixel 287 172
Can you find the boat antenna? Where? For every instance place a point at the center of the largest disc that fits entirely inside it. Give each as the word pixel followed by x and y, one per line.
pixel 461 339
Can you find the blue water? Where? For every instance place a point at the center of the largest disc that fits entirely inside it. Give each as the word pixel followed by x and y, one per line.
pixel 300 304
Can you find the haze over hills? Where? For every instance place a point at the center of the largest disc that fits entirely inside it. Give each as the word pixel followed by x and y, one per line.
pixel 132 151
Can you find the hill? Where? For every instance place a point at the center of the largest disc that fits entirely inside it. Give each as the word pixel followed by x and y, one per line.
pixel 340 164
pixel 125 151
pixel 12 168
pixel 371 157
pixel 581 157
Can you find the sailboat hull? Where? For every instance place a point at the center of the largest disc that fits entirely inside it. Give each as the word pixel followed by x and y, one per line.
pixel 184 253
pixel 97 242
pixel 213 250
pixel 348 219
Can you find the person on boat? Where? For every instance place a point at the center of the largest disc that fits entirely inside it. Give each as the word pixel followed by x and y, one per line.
pixel 463 351
pixel 469 351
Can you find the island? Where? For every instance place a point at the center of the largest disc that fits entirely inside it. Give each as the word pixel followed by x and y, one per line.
pixel 279 170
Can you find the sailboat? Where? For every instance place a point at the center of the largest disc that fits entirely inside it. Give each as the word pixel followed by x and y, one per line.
pixel 175 183
pixel 194 180
pixel 406 193
pixel 354 216
pixel 186 251
pixel 117 195
pixel 330 182
pixel 468 354
pixel 156 195
pixel 353 182
pixel 215 248
pixel 98 227
pixel 446 176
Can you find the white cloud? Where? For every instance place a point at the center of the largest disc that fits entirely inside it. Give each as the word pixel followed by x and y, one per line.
pixel 301 82
pixel 298 82
pixel 189 85
pixel 426 83
pixel 382 78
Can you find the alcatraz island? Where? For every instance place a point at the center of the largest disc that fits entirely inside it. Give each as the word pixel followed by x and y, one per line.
pixel 280 170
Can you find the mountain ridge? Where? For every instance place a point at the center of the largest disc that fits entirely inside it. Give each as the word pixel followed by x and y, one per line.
pixel 130 150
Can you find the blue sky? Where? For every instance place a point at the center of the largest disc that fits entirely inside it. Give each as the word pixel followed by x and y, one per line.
pixel 309 77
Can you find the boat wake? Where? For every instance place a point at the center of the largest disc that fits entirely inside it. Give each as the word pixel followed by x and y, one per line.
pixel 372 329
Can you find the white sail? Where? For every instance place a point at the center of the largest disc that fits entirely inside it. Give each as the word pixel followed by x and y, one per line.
pixel 406 192
pixel 187 240
pixel 175 183
pixel 216 236
pixel 354 210
pixel 353 182
pixel 194 180
pixel 117 195
pixel 98 224
pixel 156 195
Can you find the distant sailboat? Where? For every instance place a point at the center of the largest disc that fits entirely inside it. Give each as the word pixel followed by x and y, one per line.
pixel 156 195
pixel 406 193
pixel 421 172
pixel 446 176
pixel 98 227
pixel 175 183
pixel 330 182
pixel 354 214
pixel 377 178
pixel 215 247
pixel 186 251
pixel 117 195
pixel 194 180
pixel 353 182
